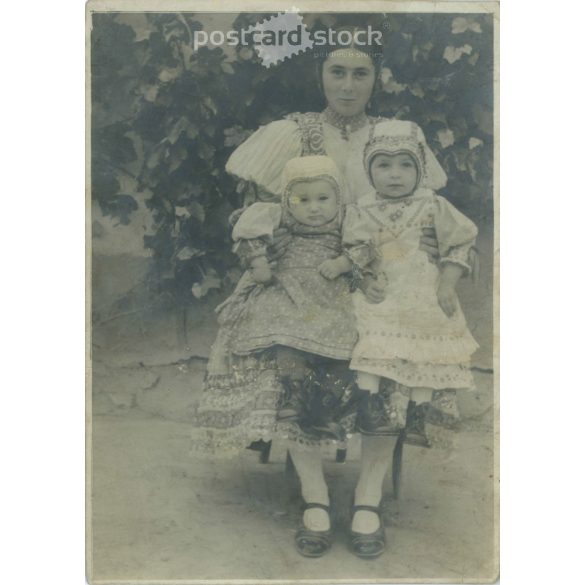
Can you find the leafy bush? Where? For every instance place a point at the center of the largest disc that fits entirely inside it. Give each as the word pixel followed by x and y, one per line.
pixel 168 119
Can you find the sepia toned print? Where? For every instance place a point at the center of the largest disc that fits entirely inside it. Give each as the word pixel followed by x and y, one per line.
pixel 293 292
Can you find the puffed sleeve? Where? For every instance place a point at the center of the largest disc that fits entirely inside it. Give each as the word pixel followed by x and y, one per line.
pixel 357 237
pixel 455 233
pixel 254 228
pixel 257 221
pixel 261 158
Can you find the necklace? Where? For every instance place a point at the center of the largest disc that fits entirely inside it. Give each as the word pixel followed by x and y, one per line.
pixel 346 124
pixel 396 205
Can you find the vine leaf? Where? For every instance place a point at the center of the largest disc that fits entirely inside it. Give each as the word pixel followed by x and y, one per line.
pixel 446 137
pixel 138 22
pixel 389 84
pixel 462 24
pixel 453 54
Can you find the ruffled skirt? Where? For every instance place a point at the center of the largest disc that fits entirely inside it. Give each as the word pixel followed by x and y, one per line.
pixel 407 337
pixel 241 407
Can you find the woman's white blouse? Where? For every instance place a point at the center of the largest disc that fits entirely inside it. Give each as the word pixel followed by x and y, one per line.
pixel 261 158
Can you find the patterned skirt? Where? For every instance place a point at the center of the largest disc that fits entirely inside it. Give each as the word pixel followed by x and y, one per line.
pixel 239 408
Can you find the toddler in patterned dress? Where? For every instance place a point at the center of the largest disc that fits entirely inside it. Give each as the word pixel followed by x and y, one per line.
pixel 296 304
pixel 412 332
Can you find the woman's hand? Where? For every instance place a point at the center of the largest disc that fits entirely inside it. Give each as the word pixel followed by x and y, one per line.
pixel 280 241
pixel 235 215
pixel 260 270
pixel 429 244
pixel 373 289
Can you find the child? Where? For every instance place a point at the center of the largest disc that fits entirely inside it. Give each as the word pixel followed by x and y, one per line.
pixel 414 334
pixel 296 304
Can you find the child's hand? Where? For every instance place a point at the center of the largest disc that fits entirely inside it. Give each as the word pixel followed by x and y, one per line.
pixel 330 269
pixel 372 289
pixel 447 298
pixel 450 275
pixel 280 240
pixel 260 270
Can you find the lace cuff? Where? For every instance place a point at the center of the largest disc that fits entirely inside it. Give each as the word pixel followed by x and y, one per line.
pixel 361 258
pixel 360 255
pixel 459 255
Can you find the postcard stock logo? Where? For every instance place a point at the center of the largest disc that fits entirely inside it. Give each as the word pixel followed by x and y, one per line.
pixel 280 37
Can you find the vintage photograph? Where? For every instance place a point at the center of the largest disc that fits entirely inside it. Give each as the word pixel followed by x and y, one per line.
pixel 293 292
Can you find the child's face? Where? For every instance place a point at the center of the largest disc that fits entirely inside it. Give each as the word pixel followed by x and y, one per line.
pixel 395 175
pixel 313 203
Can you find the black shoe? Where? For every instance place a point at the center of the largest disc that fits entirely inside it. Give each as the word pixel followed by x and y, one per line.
pixel 368 546
pixel 372 418
pixel 313 543
pixel 293 404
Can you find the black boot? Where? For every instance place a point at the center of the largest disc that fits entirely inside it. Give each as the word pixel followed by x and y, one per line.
pixel 293 403
pixel 415 425
pixel 372 417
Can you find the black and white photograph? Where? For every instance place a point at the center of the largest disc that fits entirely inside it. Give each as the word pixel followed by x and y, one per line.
pixel 293 292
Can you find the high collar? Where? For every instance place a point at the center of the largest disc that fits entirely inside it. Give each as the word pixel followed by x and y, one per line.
pixel 346 124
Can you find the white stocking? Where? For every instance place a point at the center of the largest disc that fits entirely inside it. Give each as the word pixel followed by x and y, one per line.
pixel 369 382
pixel 309 465
pixel 420 395
pixel 376 458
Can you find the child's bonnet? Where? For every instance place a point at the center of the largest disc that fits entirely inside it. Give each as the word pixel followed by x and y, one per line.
pixel 398 137
pixel 261 219
pixel 310 168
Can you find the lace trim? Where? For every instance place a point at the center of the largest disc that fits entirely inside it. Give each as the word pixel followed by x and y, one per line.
pixel 347 124
pixel 311 128
pixel 254 344
pixel 361 254
pixel 418 348
pixel 435 376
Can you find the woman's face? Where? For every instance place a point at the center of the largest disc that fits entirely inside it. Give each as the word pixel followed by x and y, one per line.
pixel 348 81
pixel 313 203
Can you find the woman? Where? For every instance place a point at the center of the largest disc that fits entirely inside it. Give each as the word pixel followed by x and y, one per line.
pixel 230 418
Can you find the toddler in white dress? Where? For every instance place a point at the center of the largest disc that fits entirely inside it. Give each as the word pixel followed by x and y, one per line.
pixel 416 336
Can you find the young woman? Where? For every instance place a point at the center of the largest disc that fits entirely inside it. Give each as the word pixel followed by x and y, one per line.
pixel 244 395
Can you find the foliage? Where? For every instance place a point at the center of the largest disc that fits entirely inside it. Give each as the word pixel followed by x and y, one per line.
pixel 167 118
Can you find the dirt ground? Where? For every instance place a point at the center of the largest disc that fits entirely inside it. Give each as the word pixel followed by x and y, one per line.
pixel 157 514
pixel 160 515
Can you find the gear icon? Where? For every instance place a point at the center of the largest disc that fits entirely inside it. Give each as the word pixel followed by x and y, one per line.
pixel 281 37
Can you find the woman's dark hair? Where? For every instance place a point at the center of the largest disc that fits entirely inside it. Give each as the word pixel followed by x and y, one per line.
pixel 374 48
